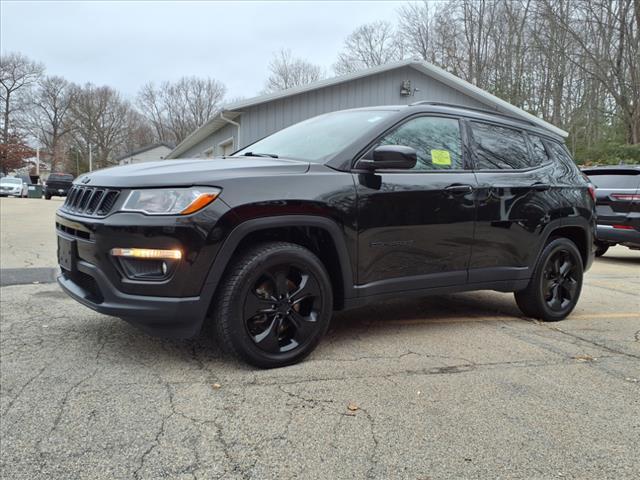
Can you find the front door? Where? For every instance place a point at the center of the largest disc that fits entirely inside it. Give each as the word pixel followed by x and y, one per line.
pixel 415 227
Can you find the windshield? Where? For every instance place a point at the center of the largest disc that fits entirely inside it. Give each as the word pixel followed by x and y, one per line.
pixel 316 139
pixel 13 181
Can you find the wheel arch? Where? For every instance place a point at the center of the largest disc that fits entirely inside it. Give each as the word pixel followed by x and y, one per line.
pixel 321 235
pixel 578 230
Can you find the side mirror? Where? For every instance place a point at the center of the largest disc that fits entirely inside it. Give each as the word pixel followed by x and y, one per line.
pixel 390 157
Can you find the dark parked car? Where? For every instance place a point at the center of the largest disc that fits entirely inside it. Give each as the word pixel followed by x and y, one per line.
pixel 58 185
pixel 338 211
pixel 617 207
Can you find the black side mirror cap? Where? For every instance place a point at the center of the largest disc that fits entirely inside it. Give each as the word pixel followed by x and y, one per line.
pixel 390 157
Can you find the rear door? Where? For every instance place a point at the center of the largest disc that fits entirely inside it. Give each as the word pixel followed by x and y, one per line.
pixel 415 227
pixel 513 174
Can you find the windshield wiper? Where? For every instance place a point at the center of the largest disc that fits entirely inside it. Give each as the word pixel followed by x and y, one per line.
pixel 255 154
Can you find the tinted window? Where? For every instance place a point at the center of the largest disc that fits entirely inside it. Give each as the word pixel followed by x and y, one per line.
pixel 539 152
pixel 435 139
pixel 63 177
pixel 559 152
pixel 499 147
pixel 609 180
pixel 319 138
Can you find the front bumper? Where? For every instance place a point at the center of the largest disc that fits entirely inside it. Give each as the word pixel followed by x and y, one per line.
pixel 609 234
pixel 177 317
pixel 172 307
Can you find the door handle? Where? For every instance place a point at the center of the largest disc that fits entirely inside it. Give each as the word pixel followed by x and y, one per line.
pixel 458 189
pixel 540 187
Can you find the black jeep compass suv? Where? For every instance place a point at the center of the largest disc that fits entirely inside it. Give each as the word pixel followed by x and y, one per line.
pixel 336 211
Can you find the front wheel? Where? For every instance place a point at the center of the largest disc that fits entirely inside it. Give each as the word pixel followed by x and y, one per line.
pixel 273 305
pixel 555 287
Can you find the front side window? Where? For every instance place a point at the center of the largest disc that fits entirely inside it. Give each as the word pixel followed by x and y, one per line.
pixel 499 148
pixel 435 139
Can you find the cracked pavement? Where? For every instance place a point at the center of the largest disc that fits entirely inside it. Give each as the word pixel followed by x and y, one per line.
pixel 456 386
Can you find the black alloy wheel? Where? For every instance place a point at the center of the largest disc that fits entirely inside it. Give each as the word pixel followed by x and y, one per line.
pixel 554 289
pixel 282 307
pixel 560 285
pixel 273 305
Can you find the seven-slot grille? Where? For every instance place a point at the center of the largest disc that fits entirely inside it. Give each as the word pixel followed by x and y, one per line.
pixel 90 201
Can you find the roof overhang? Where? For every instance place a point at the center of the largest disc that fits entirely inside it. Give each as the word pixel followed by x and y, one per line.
pixel 231 110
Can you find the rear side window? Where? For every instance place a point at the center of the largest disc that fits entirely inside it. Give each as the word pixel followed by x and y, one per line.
pixel 498 147
pixel 435 139
pixel 539 152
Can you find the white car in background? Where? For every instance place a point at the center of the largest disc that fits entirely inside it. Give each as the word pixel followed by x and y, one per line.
pixel 13 186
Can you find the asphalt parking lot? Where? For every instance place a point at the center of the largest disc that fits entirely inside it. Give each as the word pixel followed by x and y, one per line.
pixel 456 386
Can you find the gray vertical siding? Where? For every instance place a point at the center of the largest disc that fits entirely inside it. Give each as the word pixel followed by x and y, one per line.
pixel 379 89
pixel 213 140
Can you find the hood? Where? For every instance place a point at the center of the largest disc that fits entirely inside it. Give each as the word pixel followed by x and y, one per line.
pixel 190 172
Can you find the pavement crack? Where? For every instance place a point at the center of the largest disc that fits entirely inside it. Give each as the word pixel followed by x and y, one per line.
pixel 159 433
pixel 22 389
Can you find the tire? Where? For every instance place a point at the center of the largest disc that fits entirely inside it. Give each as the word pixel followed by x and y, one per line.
pixel 601 248
pixel 47 196
pixel 274 304
pixel 554 288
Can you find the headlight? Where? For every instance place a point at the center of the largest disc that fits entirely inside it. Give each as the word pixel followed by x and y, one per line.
pixel 170 201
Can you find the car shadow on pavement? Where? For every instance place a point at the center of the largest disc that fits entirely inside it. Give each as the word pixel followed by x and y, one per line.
pixel 372 322
pixel 626 259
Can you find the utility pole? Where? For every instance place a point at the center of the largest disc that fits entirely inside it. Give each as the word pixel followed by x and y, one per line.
pixel 77 164
pixel 90 159
pixel 38 161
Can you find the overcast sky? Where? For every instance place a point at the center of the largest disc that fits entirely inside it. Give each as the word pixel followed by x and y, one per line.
pixel 126 44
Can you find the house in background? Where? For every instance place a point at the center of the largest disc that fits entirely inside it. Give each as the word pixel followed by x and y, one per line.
pixel 398 83
pixel 150 153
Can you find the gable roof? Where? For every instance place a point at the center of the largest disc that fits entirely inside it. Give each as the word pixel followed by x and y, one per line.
pixel 428 69
pixel 144 149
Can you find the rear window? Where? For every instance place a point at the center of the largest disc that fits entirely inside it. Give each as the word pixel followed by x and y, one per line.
pixel 499 147
pixel 63 177
pixel 608 180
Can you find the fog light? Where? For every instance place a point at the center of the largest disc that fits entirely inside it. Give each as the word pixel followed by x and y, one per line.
pixel 147 253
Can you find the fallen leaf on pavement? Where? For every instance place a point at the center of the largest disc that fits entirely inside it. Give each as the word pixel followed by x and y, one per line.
pixel 584 358
pixel 352 407
pixel 216 386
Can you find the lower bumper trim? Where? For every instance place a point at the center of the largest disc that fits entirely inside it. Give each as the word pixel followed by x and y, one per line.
pixel 164 316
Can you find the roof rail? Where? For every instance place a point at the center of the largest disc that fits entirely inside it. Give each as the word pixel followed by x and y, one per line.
pixel 474 109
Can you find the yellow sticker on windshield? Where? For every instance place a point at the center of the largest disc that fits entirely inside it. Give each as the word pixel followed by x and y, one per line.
pixel 440 157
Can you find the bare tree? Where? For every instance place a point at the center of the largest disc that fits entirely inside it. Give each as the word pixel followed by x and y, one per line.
pixel 100 119
pixel 369 45
pixel 416 27
pixel 177 109
pixel 47 121
pixel 607 36
pixel 17 74
pixel 287 72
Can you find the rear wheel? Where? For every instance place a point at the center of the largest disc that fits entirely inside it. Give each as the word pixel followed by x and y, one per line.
pixel 47 196
pixel 555 287
pixel 273 305
pixel 601 248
